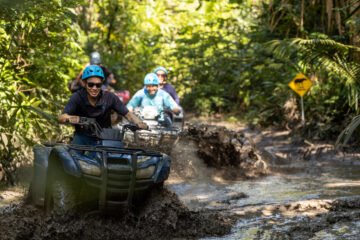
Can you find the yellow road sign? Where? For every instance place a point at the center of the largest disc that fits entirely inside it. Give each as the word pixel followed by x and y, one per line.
pixel 300 84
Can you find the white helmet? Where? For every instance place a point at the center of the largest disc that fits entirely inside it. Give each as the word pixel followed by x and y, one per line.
pixel 95 58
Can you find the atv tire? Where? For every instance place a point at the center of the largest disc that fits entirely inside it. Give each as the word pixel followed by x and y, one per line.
pixel 61 196
pixel 29 195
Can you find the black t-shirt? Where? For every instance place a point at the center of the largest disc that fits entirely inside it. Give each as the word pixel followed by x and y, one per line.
pixel 79 105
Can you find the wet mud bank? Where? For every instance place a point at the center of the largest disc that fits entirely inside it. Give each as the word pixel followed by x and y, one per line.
pixel 163 216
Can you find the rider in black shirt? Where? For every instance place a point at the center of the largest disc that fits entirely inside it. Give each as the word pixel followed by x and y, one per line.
pixel 91 101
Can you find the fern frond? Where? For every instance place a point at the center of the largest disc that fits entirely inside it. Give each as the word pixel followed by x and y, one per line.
pixel 345 135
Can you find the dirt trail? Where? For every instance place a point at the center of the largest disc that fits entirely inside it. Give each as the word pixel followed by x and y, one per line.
pixel 212 157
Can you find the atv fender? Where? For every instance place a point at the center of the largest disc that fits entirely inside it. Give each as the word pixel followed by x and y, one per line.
pixel 163 169
pixel 61 160
pixel 38 183
pixel 56 158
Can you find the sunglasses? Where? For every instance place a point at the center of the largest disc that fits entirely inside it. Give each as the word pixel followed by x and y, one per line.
pixel 162 75
pixel 91 85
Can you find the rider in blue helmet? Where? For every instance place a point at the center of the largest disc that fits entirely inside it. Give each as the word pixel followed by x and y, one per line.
pixel 93 71
pixel 95 59
pixel 162 74
pixel 92 102
pixel 152 95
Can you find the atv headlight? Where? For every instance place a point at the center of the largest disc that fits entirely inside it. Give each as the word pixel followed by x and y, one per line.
pixel 141 159
pixel 90 169
pixel 145 172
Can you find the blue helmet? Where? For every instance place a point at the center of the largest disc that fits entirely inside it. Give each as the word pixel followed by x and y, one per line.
pixel 151 79
pixel 93 71
pixel 160 69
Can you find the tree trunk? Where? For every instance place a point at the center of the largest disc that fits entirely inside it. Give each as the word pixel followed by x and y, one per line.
pixel 329 11
pixel 302 17
pixel 354 30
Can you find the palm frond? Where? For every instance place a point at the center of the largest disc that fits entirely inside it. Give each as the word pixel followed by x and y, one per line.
pixel 43 114
pixel 326 54
pixel 346 134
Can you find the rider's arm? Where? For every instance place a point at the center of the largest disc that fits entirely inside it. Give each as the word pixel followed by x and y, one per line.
pixel 171 90
pixel 66 118
pixel 111 79
pixel 171 104
pixel 131 117
pixel 69 114
pixel 135 101
pixel 121 109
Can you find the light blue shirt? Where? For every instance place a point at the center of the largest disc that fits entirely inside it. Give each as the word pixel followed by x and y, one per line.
pixel 162 100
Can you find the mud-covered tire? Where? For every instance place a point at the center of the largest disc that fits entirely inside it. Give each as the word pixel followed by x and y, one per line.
pixel 29 194
pixel 159 185
pixel 61 196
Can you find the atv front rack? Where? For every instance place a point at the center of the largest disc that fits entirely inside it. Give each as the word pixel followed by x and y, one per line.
pixel 157 139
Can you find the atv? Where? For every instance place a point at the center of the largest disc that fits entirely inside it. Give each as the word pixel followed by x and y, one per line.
pixel 108 174
pixel 158 137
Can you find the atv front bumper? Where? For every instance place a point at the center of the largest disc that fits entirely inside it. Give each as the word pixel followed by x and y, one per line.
pixel 124 173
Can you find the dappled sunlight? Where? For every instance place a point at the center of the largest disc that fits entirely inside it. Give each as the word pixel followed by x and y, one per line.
pixel 343 184
pixel 12 195
pixel 219 179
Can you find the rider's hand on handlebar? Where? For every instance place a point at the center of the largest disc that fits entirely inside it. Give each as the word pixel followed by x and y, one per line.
pixel 143 125
pixel 73 119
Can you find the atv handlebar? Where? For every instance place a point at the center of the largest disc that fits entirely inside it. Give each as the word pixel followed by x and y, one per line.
pixel 131 126
pixel 92 126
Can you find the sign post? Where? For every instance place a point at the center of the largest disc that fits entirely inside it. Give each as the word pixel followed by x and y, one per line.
pixel 301 84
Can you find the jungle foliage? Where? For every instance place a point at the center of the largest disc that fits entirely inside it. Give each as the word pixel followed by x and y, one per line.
pixel 224 56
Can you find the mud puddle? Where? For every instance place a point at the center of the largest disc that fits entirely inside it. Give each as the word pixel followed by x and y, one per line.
pixel 296 199
pixel 283 206
pixel 311 219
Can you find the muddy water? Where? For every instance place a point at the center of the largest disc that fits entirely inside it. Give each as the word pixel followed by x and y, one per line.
pixel 283 205
pixel 331 182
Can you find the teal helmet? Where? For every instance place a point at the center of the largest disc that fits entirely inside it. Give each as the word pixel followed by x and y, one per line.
pixel 160 68
pixel 93 71
pixel 151 79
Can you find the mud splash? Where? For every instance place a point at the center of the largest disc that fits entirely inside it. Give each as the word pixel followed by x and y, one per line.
pixel 163 216
pixel 228 151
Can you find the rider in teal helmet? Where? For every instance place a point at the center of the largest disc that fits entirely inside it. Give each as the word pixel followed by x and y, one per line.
pixel 152 95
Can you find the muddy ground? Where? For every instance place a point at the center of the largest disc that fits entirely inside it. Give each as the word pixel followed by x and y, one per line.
pixel 161 217
pixel 211 154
